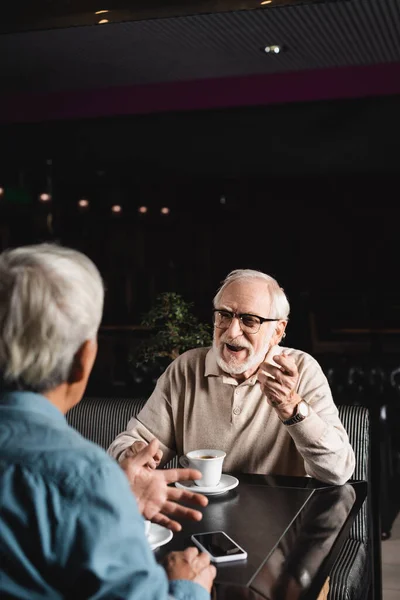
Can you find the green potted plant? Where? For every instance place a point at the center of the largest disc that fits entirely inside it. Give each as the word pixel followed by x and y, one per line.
pixel 173 329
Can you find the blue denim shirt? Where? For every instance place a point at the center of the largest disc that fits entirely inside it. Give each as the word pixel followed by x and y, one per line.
pixel 69 523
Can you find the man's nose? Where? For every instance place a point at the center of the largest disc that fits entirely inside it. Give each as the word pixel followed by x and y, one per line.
pixel 234 327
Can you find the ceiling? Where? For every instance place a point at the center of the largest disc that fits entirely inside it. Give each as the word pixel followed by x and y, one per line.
pixel 186 87
pixel 316 35
pixel 151 54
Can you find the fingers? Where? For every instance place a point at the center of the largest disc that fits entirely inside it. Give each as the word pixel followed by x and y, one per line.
pixel 138 446
pixel 175 494
pixel 287 364
pixel 190 553
pixel 191 565
pixel 147 454
pixel 204 572
pixel 201 561
pixel 174 475
pixel 165 521
pixel 181 512
pixel 197 560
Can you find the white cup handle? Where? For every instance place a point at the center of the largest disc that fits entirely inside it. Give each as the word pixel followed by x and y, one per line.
pixel 184 461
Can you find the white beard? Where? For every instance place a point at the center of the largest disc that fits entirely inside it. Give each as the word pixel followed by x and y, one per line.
pixel 234 367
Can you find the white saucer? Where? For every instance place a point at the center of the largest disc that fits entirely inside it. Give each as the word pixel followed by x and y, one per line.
pixel 227 482
pixel 158 536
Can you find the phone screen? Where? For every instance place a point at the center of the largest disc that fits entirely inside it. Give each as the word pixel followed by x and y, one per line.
pixel 218 544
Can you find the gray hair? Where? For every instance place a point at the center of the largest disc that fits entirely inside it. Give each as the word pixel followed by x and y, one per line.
pixel 280 307
pixel 51 302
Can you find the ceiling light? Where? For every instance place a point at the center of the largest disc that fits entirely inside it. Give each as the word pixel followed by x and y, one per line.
pixel 273 49
pixel 116 208
pixel 143 209
pixel 103 21
pixel 45 197
pixel 266 2
pixel 101 12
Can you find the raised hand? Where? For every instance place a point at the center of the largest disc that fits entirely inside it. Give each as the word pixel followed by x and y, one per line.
pixel 157 500
pixel 279 384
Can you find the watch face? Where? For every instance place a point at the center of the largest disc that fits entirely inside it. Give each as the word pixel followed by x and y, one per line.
pixel 303 408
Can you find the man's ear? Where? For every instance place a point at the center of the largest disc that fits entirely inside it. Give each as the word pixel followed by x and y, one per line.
pixel 83 362
pixel 279 332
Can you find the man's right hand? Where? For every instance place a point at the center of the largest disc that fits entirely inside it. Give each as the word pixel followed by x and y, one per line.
pixel 137 446
pixel 191 564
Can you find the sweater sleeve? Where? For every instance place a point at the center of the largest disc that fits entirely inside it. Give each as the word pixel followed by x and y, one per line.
pixel 155 420
pixel 321 438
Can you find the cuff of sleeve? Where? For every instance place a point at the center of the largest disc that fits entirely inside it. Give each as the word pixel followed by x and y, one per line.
pixel 122 455
pixel 310 430
pixel 183 589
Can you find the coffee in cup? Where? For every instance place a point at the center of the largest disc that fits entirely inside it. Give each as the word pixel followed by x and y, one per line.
pixel 208 461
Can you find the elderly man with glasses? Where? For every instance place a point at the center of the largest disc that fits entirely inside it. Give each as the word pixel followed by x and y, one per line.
pixel 269 407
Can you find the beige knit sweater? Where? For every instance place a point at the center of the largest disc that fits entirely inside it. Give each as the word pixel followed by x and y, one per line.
pixel 196 405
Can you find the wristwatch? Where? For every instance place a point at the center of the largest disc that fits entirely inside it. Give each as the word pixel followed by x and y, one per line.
pixel 301 413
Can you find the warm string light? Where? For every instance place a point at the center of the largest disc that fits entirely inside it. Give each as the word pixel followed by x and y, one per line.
pixel 45 197
pixel 143 209
pixel 83 203
pixel 1 192
pixel 116 209
pixel 102 21
pixel 165 210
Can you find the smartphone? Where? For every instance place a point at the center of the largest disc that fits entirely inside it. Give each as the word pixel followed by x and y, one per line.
pixel 219 546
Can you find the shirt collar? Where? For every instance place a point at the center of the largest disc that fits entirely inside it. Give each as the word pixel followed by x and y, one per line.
pixel 212 368
pixel 29 402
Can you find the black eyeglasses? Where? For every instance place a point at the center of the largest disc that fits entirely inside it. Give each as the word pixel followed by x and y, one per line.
pixel 248 323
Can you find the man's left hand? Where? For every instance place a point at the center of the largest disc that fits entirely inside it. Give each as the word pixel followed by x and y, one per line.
pixel 279 384
pixel 156 499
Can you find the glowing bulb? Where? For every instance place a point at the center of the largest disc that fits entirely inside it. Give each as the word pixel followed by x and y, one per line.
pixel 45 197
pixel 116 208
pixel 103 21
pixel 1 191
pixel 275 49
pixel 165 210
pixel 266 2
pixel 101 12
pixel 83 203
pixel 143 209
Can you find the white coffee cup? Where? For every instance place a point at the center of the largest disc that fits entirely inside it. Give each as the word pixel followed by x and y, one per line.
pixel 147 525
pixel 208 461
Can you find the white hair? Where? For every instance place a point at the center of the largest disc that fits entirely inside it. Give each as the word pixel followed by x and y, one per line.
pixel 280 307
pixel 51 302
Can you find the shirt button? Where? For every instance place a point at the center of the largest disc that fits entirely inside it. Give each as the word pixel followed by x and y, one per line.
pixel 237 410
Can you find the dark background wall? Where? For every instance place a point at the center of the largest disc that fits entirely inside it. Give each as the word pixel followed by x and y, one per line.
pixel 304 191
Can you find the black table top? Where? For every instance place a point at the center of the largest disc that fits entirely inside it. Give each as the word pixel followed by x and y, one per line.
pixel 291 527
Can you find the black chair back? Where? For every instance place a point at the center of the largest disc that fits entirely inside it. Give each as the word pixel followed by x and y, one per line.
pixel 356 574
pixel 101 419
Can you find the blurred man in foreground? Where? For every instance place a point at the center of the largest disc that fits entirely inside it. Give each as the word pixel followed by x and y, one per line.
pixel 70 525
